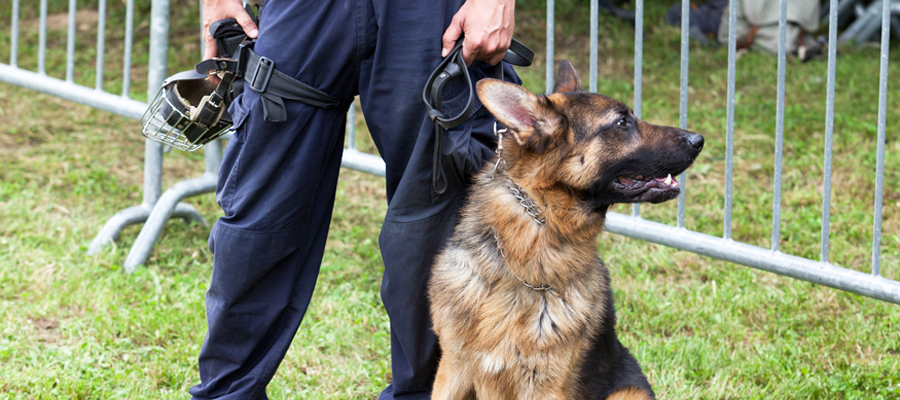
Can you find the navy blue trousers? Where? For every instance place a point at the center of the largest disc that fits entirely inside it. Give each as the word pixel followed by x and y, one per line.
pixel 277 184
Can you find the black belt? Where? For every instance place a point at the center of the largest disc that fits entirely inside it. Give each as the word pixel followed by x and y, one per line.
pixel 274 86
pixel 451 67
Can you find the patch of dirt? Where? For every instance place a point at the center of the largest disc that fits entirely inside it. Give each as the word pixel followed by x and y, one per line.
pixel 85 20
pixel 46 330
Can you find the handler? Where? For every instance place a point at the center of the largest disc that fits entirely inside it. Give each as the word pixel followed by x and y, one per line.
pixel 278 179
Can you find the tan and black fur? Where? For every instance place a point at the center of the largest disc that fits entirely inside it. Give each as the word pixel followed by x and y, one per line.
pixel 573 154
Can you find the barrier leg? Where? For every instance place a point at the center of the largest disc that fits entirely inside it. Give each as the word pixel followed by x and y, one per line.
pixel 169 205
pixel 153 154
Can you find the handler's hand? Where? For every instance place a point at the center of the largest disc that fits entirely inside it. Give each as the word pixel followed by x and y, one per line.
pixel 488 26
pixel 214 10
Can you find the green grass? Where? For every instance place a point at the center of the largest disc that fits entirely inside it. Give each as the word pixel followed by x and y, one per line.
pixel 79 327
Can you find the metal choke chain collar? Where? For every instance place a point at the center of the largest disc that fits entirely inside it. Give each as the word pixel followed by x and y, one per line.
pixel 532 209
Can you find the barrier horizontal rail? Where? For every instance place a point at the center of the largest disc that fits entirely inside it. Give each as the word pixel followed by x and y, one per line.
pixel 73 92
pixel 741 253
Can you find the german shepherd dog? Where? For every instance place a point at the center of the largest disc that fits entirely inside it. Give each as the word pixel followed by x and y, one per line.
pixel 520 301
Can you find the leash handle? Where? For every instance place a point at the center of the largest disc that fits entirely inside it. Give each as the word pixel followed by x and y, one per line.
pixel 453 66
pixel 450 67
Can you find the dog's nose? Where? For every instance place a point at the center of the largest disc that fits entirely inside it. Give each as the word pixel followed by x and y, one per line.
pixel 695 140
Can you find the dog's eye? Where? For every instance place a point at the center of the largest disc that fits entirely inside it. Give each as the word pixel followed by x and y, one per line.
pixel 622 123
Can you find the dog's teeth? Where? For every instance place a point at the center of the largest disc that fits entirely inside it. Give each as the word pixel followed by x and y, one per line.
pixel 669 179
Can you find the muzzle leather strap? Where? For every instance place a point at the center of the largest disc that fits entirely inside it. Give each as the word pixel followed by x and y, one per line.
pixel 454 66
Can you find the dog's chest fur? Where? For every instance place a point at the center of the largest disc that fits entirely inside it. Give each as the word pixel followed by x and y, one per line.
pixel 495 320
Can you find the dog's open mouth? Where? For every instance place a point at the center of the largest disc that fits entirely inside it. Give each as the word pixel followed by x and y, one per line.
pixel 636 184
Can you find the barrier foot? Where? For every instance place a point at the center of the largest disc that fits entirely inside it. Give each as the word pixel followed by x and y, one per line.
pixel 114 226
pixel 167 206
pixel 134 215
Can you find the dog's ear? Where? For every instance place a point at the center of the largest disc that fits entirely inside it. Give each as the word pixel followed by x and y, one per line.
pixel 530 119
pixel 567 79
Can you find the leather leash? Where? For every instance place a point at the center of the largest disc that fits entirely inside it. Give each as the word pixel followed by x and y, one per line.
pixel 451 67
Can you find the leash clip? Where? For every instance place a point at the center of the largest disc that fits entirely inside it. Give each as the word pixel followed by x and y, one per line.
pixel 501 163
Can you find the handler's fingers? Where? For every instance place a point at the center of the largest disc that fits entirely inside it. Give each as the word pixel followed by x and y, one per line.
pixel 496 58
pixel 451 35
pixel 210 50
pixel 244 20
pixel 218 10
pixel 469 51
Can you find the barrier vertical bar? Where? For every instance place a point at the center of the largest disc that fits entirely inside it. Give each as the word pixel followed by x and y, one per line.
pixel 551 26
pixel 779 126
pixel 595 30
pixel 126 58
pixel 829 130
pixel 159 48
pixel 729 129
pixel 351 127
pixel 42 40
pixel 638 71
pixel 685 46
pixel 153 151
pixel 70 43
pixel 200 20
pixel 882 124
pixel 14 37
pixel 101 43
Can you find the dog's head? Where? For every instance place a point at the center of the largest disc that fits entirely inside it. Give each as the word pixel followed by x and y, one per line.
pixel 588 144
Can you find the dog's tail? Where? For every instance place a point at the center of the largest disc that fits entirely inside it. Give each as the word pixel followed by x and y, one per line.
pixel 630 393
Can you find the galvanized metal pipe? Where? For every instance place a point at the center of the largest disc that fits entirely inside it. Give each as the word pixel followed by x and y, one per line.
pixel 42 40
pixel 768 260
pixel 363 162
pixel 70 43
pixel 111 230
pixel 682 119
pixel 200 23
pixel 829 130
pixel 159 47
pixel 163 210
pixel 73 92
pixel 101 43
pixel 351 127
pixel 126 58
pixel 729 128
pixel 882 123
pixel 212 153
pixel 14 37
pixel 638 71
pixel 356 160
pixel 779 126
pixel 595 30
pixel 551 26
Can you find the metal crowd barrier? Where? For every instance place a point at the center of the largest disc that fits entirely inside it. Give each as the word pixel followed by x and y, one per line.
pixel 157 207
pixel 724 247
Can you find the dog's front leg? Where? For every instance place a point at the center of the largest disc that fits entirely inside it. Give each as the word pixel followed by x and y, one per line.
pixel 452 382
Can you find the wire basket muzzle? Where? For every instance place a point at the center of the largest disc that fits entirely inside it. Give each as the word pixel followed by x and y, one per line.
pixel 168 120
